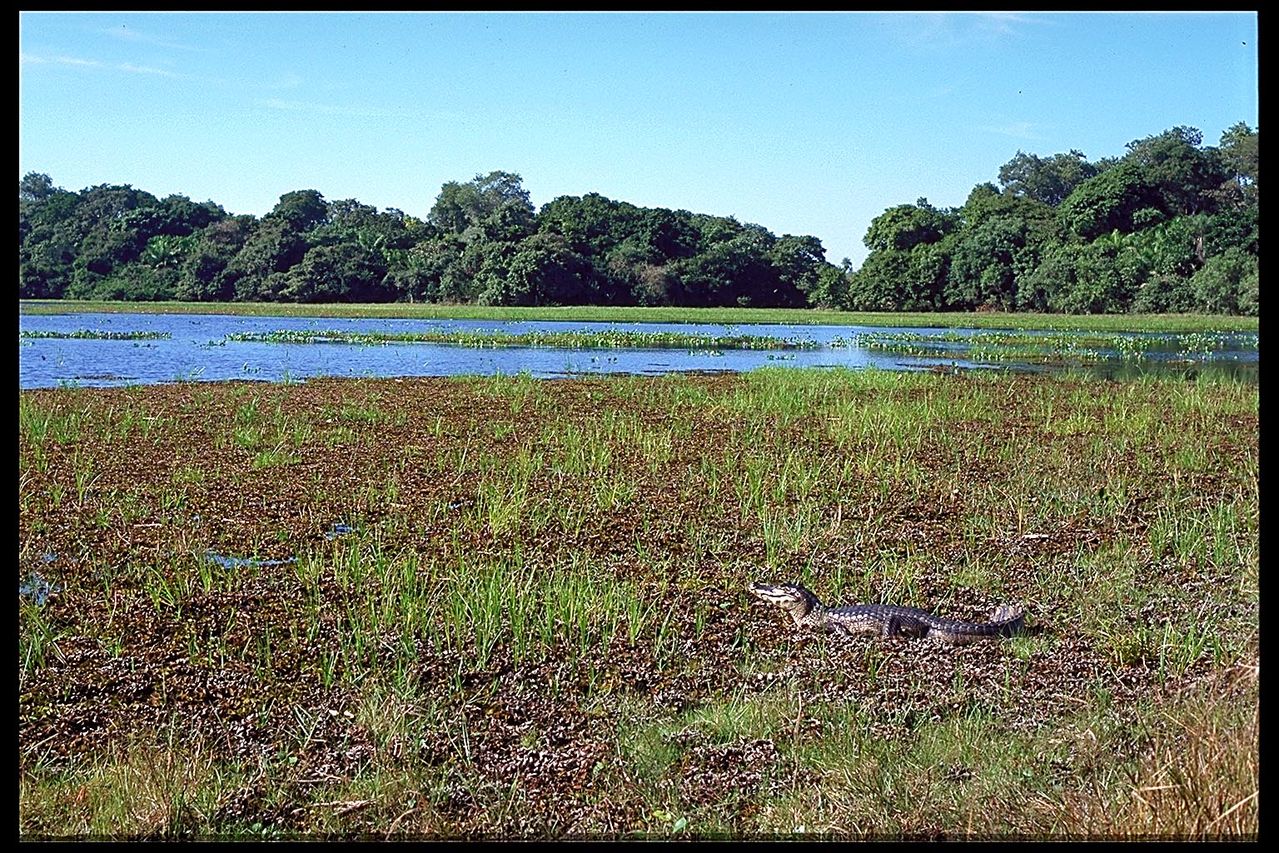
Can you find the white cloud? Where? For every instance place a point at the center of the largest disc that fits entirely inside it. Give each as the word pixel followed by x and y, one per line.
pixel 954 30
pixel 1002 23
pixel 78 62
pixel 146 69
pixel 125 33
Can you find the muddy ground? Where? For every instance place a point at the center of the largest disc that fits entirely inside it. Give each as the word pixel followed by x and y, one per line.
pixel 126 670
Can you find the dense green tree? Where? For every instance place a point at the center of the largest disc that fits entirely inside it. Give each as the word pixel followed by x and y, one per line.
pixel 384 231
pixel 712 230
pixel 488 264
pixel 462 205
pixel 113 224
pixel 543 270
pixel 666 235
pixel 202 276
pixel 257 272
pixel 897 280
pixel 591 223
pixel 1239 149
pixel 877 285
pixel 631 260
pixel 137 282
pixel 831 291
pixel 734 271
pixel 116 225
pixel 907 225
pixel 35 186
pixel 48 242
pixel 798 262
pixel 179 216
pixel 987 202
pixel 1234 227
pixel 389 234
pixel 1173 248
pixel 1228 283
pixel 1111 201
pixel 999 239
pixel 652 284
pixel 1099 277
pixel 343 272
pixel 1044 288
pixel 44 269
pixel 472 271
pixel 1048 180
pixel 167 251
pixel 301 210
pixel 1164 293
pixel 1184 175
pixel 509 222
pixel 427 272
pixel 981 269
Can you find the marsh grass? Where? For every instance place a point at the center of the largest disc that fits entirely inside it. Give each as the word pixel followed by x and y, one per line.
pixel 38 638
pixel 523 561
pixel 163 790
pixel 1198 778
pixel 39 425
pixel 562 609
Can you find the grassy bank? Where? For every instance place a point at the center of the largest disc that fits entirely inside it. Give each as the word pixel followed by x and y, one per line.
pixel 729 316
pixel 509 607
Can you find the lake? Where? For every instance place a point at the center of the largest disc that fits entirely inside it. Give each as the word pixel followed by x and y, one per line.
pixel 197 348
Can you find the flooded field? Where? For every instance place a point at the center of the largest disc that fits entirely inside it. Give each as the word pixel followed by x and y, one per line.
pixel 501 607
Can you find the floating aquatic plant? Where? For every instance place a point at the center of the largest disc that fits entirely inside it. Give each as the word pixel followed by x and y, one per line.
pixel 612 339
pixel 1053 347
pixel 97 335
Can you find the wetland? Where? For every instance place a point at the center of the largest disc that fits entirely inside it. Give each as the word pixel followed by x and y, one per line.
pixel 502 606
pixel 97 347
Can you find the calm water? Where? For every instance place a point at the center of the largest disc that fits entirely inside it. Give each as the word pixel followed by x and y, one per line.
pixel 197 351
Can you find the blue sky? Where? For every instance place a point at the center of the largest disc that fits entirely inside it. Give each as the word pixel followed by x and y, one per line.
pixel 803 123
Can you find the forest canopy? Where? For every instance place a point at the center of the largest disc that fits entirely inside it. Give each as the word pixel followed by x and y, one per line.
pixel 1170 226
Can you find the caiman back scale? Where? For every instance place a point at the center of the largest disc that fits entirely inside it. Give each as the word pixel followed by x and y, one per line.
pixel 885 620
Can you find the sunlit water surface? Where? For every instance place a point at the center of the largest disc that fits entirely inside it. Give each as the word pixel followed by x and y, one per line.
pixel 198 349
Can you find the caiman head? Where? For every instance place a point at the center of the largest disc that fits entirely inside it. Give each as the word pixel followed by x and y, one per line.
pixel 791 597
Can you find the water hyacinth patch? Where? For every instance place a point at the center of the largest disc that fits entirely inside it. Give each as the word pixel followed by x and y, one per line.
pixel 613 339
pixel 1053 347
pixel 96 335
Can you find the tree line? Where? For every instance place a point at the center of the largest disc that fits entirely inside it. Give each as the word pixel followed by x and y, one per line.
pixel 1169 226
pixel 482 242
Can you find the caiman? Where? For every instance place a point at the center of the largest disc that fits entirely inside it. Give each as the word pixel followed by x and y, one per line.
pixel 885 620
